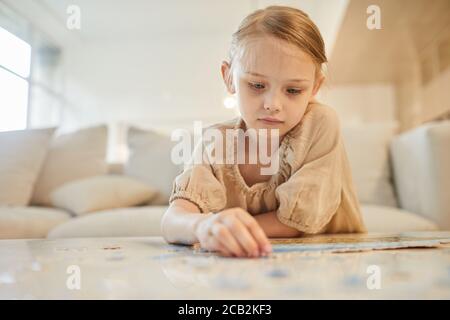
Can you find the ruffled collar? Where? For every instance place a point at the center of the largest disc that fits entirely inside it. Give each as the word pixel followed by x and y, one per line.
pixel 286 158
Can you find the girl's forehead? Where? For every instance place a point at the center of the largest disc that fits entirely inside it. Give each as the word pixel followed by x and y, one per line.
pixel 275 58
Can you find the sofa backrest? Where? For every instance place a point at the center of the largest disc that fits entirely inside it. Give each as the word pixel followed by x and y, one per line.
pixel 421 161
pixel 367 148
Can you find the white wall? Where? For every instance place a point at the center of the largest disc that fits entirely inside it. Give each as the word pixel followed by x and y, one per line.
pixel 360 104
pixel 164 84
pixel 168 79
pixel 125 68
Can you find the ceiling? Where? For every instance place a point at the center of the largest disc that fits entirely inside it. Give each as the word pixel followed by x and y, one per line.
pixel 139 20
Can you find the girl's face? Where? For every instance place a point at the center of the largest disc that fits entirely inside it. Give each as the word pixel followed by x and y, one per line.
pixel 274 86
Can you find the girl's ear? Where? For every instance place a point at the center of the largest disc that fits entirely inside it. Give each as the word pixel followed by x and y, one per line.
pixel 227 77
pixel 318 83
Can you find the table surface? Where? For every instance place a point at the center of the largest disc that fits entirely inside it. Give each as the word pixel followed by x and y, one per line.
pixel 149 268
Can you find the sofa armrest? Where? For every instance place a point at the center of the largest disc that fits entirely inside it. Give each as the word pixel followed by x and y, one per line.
pixel 421 163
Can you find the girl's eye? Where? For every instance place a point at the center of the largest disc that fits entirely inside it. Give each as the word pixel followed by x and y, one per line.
pixel 257 86
pixel 294 91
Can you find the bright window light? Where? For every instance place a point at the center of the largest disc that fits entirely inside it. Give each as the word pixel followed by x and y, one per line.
pixel 13 101
pixel 15 54
pixel 229 102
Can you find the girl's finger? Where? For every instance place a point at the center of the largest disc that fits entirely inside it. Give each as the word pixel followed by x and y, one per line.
pixel 223 250
pixel 242 235
pixel 226 239
pixel 257 232
pixel 211 242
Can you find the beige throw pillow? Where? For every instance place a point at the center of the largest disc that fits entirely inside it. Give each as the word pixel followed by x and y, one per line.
pixel 101 193
pixel 150 161
pixel 22 154
pixel 71 157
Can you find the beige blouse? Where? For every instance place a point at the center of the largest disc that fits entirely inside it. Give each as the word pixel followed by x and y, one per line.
pixel 312 190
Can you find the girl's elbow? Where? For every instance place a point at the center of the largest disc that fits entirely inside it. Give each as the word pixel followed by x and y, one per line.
pixel 292 233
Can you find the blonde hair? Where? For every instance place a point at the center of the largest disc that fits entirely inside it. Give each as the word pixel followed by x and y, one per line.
pixel 284 23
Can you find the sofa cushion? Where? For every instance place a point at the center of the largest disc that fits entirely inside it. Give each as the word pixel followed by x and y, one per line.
pixel 146 221
pixel 101 193
pixel 22 154
pixel 368 153
pixel 421 159
pixel 150 161
pixel 29 222
pixel 393 220
pixel 71 156
pixel 126 222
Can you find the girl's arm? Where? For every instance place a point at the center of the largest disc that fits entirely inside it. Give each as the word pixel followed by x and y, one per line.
pixel 274 228
pixel 233 232
pixel 180 221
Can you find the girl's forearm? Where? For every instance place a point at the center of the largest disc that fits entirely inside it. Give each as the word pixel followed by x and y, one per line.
pixel 178 226
pixel 274 228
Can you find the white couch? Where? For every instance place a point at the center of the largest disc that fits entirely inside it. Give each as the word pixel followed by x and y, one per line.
pixel 402 182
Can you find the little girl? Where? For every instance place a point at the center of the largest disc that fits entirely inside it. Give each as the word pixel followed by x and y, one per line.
pixel 274 70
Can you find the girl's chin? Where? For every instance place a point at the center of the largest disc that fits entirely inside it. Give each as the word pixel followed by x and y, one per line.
pixel 269 128
pixel 261 124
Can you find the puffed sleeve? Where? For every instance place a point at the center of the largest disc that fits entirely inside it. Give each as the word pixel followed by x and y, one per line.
pixel 198 184
pixel 312 194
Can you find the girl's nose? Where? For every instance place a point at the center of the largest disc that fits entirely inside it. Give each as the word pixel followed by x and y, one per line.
pixel 271 108
pixel 272 104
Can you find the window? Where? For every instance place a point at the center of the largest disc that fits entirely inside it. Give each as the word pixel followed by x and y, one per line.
pixel 31 74
pixel 15 60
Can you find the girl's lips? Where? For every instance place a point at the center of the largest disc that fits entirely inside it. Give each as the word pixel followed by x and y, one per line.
pixel 271 121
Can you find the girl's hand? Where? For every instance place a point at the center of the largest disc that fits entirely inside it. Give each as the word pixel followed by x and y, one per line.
pixel 233 232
